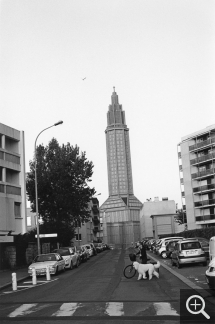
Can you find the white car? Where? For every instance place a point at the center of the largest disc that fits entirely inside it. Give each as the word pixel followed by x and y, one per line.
pixel 162 245
pixel 89 248
pixel 53 260
pixel 70 255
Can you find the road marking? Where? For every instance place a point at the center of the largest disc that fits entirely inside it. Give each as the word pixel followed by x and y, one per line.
pixel 114 309
pixel 90 309
pixel 67 309
pixel 164 308
pixel 22 310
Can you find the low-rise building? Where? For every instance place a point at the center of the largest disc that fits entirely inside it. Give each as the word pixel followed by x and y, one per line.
pixel 158 218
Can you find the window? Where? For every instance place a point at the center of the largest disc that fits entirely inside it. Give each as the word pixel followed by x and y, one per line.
pixel 78 237
pixel 17 209
pixel 28 221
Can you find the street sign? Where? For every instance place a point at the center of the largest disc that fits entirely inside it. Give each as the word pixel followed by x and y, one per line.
pixel 47 235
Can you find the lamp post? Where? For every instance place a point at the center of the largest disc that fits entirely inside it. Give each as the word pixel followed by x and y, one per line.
pixel 36 195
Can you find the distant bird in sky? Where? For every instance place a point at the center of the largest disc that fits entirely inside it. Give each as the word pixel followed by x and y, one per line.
pixel 83 79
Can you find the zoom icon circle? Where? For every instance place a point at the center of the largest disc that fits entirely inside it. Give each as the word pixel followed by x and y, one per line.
pixel 195 304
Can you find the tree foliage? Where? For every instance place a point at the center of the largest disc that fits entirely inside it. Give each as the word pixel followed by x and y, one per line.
pixel 63 173
pixel 181 217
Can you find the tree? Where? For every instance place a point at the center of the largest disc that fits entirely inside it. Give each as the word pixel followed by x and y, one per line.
pixel 63 174
pixel 181 217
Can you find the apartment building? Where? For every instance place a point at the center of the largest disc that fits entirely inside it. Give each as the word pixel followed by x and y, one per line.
pixel 196 154
pixel 12 183
pixel 90 231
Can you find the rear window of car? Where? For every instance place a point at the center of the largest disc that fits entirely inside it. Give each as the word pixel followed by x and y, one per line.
pixel 190 245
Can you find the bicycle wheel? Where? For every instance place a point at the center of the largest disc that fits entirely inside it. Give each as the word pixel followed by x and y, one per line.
pixel 129 271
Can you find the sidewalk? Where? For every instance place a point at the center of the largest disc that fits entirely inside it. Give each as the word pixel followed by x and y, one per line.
pixel 6 276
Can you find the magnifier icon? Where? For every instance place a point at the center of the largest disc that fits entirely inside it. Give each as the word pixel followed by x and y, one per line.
pixel 197 301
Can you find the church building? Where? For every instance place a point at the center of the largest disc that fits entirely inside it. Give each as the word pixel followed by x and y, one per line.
pixel 121 211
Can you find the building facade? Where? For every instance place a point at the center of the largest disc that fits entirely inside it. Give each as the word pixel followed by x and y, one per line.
pixel 196 154
pixel 12 183
pixel 90 231
pixel 158 218
pixel 120 212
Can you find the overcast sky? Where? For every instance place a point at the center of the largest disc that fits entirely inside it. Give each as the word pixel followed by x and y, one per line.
pixel 159 54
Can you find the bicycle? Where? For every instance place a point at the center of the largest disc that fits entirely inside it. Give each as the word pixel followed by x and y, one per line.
pixel 129 271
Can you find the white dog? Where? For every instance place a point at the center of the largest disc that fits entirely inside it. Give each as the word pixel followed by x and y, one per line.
pixel 143 268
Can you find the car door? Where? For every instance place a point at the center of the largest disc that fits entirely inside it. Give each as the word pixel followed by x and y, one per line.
pixel 60 261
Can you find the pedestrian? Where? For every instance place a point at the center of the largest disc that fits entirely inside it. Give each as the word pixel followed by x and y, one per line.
pixel 142 252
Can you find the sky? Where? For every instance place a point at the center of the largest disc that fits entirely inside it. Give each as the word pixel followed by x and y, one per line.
pixel 159 55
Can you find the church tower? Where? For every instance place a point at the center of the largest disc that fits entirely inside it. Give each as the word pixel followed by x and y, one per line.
pixel 120 212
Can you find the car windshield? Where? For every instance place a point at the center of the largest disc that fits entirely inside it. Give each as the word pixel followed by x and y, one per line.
pixel 43 258
pixel 190 245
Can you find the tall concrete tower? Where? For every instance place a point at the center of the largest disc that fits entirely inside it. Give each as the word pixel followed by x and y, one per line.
pixel 120 212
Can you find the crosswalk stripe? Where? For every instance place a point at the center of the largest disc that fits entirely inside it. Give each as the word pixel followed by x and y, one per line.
pixel 67 309
pixel 164 308
pixel 22 310
pixel 114 309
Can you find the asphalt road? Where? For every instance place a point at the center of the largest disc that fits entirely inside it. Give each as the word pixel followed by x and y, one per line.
pixel 95 292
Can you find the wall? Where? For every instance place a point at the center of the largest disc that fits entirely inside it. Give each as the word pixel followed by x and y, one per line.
pixel 154 208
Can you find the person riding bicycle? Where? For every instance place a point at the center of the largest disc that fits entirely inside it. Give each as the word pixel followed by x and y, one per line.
pixel 142 252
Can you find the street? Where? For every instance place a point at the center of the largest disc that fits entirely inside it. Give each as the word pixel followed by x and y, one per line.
pixel 96 291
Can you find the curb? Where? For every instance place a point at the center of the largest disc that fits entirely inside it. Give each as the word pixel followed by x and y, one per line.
pixel 189 283
pixel 10 284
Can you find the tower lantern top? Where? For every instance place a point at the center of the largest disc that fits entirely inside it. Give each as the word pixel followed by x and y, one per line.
pixel 114 97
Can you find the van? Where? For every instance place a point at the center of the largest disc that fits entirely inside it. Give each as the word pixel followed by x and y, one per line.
pixel 162 245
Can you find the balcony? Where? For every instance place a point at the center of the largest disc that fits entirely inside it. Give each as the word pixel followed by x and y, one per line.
pixel 204 203
pixel 203 174
pixel 205 218
pixel 209 187
pixel 96 219
pixel 202 144
pixel 203 158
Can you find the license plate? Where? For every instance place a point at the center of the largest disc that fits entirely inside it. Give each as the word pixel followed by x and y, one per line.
pixel 191 252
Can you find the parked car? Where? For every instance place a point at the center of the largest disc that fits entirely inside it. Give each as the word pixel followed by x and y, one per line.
pixel 98 247
pixel 70 255
pixel 188 251
pixel 210 273
pixel 82 253
pixel 88 250
pixel 93 247
pixel 162 245
pixel 205 245
pixel 54 261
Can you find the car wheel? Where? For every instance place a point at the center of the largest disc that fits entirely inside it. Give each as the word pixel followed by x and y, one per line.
pixel 71 266
pixel 164 255
pixel 64 269
pixel 205 264
pixel 56 271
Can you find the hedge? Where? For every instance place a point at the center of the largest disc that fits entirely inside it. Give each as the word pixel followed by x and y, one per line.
pixel 207 233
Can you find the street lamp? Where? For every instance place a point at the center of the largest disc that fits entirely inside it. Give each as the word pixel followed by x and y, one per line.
pixel 36 195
